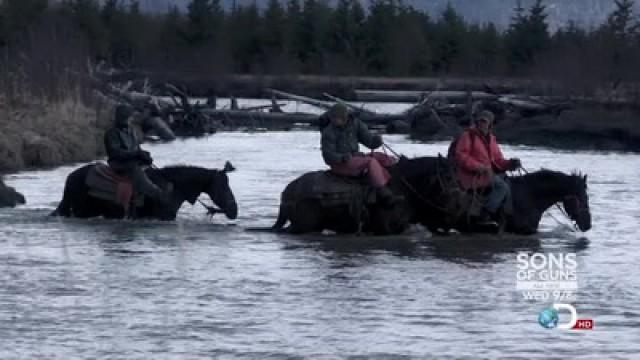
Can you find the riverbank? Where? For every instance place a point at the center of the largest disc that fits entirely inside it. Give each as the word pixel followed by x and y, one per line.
pixel 582 129
pixel 38 134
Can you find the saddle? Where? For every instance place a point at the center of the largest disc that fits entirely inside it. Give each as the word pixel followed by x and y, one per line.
pixel 332 189
pixel 462 203
pixel 106 184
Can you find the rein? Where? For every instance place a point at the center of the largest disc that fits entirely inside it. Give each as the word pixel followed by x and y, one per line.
pixel 385 146
pixel 411 188
pixel 421 197
pixel 211 210
pixel 562 211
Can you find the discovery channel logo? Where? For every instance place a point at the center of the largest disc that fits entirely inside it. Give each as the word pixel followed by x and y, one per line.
pixel 549 318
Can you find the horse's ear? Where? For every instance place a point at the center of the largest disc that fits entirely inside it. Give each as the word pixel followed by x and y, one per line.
pixel 228 167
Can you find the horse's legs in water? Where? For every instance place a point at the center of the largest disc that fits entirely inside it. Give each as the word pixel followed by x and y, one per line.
pixel 306 217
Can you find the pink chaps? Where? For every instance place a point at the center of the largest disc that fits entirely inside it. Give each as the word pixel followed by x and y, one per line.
pixel 373 165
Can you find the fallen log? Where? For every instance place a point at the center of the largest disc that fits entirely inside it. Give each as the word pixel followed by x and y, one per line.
pixel 266 119
pixel 415 96
pixel 315 102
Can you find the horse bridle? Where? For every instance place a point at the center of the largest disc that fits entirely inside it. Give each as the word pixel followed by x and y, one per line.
pixel 211 209
pixel 579 205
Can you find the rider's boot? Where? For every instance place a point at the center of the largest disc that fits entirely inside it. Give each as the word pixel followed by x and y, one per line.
pixel 487 218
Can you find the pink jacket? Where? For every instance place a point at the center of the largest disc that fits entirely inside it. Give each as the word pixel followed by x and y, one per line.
pixel 473 151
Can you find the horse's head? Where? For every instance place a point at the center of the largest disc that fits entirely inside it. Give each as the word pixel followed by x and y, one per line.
pixel 220 192
pixel 9 196
pixel 576 203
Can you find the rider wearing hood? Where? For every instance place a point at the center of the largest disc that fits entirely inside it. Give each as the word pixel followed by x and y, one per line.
pixel 126 157
pixel 480 160
pixel 340 150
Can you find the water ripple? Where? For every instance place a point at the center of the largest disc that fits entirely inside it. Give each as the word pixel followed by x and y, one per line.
pixel 195 289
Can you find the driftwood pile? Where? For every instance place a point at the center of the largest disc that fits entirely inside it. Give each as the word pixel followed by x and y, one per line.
pixel 168 111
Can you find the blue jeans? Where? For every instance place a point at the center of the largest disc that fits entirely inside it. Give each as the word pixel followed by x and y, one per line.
pixel 499 192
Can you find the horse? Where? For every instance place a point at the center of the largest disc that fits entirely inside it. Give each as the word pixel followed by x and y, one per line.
pixel 320 200
pixel 531 195
pixel 188 183
pixel 9 197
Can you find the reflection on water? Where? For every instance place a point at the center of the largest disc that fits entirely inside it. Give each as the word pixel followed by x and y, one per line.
pixel 199 289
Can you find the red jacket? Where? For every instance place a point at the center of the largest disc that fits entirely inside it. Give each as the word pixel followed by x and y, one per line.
pixel 472 152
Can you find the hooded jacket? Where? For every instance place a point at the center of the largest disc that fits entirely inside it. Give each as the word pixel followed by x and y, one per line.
pixel 475 150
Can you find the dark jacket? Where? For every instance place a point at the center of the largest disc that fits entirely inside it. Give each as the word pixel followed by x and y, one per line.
pixel 339 144
pixel 122 146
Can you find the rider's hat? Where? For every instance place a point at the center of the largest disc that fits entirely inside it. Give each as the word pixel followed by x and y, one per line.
pixel 485 115
pixel 339 111
pixel 123 113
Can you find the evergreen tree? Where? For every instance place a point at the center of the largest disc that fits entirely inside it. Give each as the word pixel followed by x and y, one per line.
pixel 17 15
pixel 382 18
pixel 293 26
pixel 616 42
pixel 308 40
pixel 538 27
pixel 274 27
pixel 527 37
pixel 86 14
pixel 487 51
pixel 358 46
pixel 341 30
pixel 344 41
pixel 451 31
pixel 244 37
pixel 205 18
pixel 171 35
pixel 110 12
pixel 621 21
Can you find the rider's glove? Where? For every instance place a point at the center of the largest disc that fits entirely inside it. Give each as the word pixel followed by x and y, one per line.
pixel 515 164
pixel 145 157
pixel 377 141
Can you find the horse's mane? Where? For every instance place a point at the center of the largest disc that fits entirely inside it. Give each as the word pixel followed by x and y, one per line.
pixel 419 165
pixel 548 180
pixel 179 167
pixel 544 173
pixel 184 172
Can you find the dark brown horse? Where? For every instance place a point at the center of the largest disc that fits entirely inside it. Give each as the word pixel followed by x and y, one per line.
pixel 9 197
pixel 319 201
pixel 531 195
pixel 188 183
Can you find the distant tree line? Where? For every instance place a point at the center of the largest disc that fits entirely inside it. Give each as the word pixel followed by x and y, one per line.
pixel 42 39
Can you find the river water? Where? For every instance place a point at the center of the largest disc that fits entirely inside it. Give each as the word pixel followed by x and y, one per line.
pixel 199 289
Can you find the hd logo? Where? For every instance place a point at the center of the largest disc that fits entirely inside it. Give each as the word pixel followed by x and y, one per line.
pixel 549 318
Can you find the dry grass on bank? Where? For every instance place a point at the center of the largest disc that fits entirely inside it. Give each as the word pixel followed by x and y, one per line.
pixel 40 134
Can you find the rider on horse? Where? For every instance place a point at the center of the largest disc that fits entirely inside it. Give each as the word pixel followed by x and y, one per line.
pixel 126 157
pixel 479 161
pixel 340 151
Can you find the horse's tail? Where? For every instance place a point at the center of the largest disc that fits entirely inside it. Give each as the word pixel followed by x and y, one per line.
pixel 282 218
pixel 64 207
pixel 278 227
